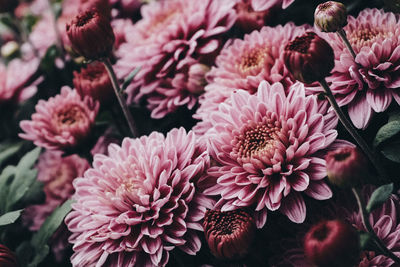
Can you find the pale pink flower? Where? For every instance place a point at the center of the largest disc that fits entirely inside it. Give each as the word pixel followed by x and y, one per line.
pixel 140 202
pixel 171 37
pixel 56 173
pixel 261 5
pixel 15 80
pixel 268 149
pixel 370 83
pixel 61 122
pixel 243 64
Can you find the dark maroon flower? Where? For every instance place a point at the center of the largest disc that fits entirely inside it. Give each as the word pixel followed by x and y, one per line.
pixel 8 5
pixel 7 257
pixel 309 58
pixel 332 243
pixel 91 34
pixel 102 6
pixel 229 234
pixel 346 166
pixel 330 16
pixel 94 82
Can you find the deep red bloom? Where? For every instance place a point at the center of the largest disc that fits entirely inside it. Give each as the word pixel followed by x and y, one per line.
pixel 7 257
pixel 91 34
pixel 332 243
pixel 94 82
pixel 102 6
pixel 346 166
pixel 229 234
pixel 309 58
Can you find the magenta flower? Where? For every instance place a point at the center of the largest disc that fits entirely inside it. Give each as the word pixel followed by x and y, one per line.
pixel 171 37
pixel 61 122
pixel 244 64
pixel 261 5
pixel 15 80
pixel 268 151
pixel 370 83
pixel 140 202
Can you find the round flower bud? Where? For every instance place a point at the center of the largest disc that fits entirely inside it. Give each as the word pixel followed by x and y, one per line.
pixel 7 257
pixel 8 5
pixel 309 58
pixel 91 35
pixel 94 81
pixel 330 16
pixel 346 166
pixel 331 244
pixel 229 234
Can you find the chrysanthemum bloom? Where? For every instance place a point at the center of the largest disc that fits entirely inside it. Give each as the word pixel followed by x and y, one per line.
pixel 261 5
pixel 61 122
pixel 120 28
pixel 140 202
pixel 248 19
pixel 7 257
pixel 102 6
pixel 370 83
pixel 244 64
pixel 330 16
pixel 56 173
pixel 268 151
pixel 91 34
pixel 15 80
pixel 229 234
pixel 347 166
pixel 171 37
pixel 94 81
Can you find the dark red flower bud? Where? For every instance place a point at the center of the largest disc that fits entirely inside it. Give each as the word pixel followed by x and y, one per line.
pixel 91 35
pixel 309 58
pixel 7 257
pixel 229 234
pixel 8 5
pixel 346 167
pixel 330 16
pixel 332 244
pixel 94 82
pixel 101 6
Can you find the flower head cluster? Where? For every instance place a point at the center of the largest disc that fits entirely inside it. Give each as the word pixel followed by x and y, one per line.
pixel 267 151
pixel 62 121
pixel 171 37
pixel 261 5
pixel 140 202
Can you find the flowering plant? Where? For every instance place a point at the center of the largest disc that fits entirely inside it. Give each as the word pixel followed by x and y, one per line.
pixel 199 133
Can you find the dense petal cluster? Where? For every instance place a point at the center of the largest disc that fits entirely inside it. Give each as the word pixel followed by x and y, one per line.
pixel 369 83
pixel 244 64
pixel 171 37
pixel 62 121
pixel 140 202
pixel 261 5
pixel 268 151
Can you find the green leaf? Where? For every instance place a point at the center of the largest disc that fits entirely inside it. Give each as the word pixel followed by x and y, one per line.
pixel 5 180
pixel 392 151
pixel 40 239
pixel 8 150
pixel 24 253
pixel 39 256
pixel 10 217
pixel 129 79
pixel 379 196
pixel 364 240
pixel 388 130
pixel 47 63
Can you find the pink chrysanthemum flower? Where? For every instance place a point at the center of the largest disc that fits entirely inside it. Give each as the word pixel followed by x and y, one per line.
pixel 268 150
pixel 172 36
pixel 385 221
pixel 56 173
pixel 140 202
pixel 244 64
pixel 370 83
pixel 261 5
pixel 15 80
pixel 62 121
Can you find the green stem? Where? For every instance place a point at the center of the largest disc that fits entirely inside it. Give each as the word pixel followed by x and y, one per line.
pixel 343 35
pixel 364 217
pixel 120 97
pixel 353 131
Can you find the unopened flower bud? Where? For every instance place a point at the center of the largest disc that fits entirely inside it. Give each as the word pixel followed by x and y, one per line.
pixel 346 167
pixel 94 81
pixel 7 257
pixel 331 244
pixel 330 16
pixel 309 58
pixel 229 234
pixel 91 35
